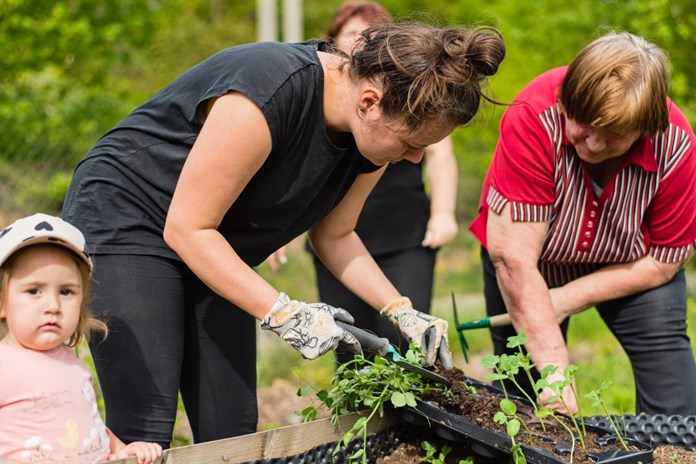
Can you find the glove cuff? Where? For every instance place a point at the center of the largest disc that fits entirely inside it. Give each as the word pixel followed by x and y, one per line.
pixel 279 313
pixel 396 306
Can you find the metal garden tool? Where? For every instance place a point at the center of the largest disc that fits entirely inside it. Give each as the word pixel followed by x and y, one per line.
pixel 493 321
pixel 380 346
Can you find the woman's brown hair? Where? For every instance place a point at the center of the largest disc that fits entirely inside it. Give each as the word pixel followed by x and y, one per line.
pixel 618 82
pixel 428 74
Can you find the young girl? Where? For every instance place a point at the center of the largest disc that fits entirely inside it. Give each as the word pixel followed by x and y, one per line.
pixel 48 408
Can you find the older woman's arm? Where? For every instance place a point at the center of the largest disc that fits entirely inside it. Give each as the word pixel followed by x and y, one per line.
pixel 515 248
pixel 612 282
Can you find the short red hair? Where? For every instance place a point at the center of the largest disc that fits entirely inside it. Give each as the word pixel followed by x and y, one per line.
pixel 373 13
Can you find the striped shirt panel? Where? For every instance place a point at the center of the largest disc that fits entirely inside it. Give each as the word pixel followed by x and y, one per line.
pixel 585 233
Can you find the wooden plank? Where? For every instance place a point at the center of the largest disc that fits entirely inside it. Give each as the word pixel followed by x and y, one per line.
pixel 276 443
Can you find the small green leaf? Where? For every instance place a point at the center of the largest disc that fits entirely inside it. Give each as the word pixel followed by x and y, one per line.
pixel 490 361
pixel 398 399
pixel 309 413
pixel 513 427
pixel 508 407
pixel 305 390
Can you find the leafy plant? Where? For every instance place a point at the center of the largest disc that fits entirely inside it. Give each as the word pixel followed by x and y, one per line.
pixel 364 384
pixel 507 367
pixel 598 400
pixel 432 455
pixel 557 387
pixel 507 416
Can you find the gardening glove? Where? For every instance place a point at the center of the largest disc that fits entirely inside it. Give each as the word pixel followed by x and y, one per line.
pixel 310 327
pixel 426 331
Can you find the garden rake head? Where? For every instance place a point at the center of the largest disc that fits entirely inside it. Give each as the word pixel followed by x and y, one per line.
pixel 493 321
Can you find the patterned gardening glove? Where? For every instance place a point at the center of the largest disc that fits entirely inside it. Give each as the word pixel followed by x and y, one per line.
pixel 310 327
pixel 426 331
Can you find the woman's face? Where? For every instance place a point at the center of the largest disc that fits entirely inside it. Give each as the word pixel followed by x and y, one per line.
pixel 596 144
pixel 349 33
pixel 383 143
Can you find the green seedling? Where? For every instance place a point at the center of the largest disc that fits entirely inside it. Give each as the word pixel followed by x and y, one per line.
pixel 507 416
pixel 364 384
pixel 598 400
pixel 557 387
pixel 506 367
pixel 432 454
pixel 525 360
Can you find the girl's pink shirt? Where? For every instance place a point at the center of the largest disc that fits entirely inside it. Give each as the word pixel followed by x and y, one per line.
pixel 48 408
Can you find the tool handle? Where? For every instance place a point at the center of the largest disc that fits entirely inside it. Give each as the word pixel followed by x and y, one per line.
pixel 369 341
pixel 493 321
pixel 500 320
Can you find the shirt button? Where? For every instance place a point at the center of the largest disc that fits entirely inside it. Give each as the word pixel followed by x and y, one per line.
pixel 590 224
pixel 595 204
pixel 585 244
pixel 593 214
pixel 588 234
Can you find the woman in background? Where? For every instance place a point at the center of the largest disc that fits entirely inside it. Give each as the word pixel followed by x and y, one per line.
pixel 400 226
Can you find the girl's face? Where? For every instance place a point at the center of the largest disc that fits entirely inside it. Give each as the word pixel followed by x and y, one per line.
pixel 596 144
pixel 43 298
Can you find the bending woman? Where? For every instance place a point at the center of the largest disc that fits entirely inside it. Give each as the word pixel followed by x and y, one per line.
pixel 236 157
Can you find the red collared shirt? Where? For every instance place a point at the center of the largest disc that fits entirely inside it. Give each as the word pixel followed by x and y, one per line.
pixel 649 206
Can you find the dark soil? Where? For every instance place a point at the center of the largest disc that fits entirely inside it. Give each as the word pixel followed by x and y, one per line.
pixel 480 406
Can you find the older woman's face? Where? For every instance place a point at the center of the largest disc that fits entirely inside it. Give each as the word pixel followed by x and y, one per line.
pixel 596 144
pixel 349 33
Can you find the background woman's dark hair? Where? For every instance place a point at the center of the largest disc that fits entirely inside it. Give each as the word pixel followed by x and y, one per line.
pixel 429 74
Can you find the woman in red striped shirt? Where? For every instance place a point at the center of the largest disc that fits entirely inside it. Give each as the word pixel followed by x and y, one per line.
pixel 590 201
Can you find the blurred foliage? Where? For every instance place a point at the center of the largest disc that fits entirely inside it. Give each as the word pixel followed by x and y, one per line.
pixel 73 68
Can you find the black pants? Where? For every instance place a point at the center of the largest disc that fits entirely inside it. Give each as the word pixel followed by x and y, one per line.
pixel 168 332
pixel 411 272
pixel 651 328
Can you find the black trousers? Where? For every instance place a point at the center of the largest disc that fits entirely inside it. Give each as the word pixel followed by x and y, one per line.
pixel 651 328
pixel 168 332
pixel 411 271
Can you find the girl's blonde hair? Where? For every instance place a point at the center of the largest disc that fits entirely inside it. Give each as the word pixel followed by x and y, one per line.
pixel 618 82
pixel 87 322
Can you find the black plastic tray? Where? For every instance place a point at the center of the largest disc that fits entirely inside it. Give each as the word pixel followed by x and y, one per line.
pixel 655 429
pixel 378 445
pixel 496 445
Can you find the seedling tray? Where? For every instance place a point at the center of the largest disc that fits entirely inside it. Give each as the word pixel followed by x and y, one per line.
pixel 495 445
pixel 656 429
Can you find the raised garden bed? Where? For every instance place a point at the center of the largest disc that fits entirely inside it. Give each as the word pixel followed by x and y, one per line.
pixel 395 438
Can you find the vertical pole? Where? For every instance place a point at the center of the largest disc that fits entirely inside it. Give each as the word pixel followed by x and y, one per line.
pixel 292 21
pixel 266 24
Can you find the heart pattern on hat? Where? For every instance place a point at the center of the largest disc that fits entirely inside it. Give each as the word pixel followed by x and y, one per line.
pixel 43 225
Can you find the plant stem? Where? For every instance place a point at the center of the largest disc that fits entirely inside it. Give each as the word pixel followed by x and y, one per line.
pixel 613 425
pixel 512 379
pixel 570 432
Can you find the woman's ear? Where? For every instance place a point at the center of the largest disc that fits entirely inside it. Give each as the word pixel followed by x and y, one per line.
pixel 368 101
